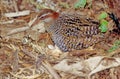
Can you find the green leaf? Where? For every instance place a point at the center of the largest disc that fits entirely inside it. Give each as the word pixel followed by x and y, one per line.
pixel 103 26
pixel 103 15
pixel 115 46
pixel 80 4
pixel 104 22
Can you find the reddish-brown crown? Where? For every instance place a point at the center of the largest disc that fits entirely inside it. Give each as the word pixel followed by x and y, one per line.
pixel 48 13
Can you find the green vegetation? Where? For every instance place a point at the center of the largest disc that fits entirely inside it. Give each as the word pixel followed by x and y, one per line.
pixel 80 4
pixel 103 22
pixel 103 15
pixel 103 25
pixel 115 46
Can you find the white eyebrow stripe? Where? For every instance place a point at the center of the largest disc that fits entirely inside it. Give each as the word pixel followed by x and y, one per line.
pixel 45 14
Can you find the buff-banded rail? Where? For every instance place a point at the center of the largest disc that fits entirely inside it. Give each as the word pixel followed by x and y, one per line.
pixel 71 31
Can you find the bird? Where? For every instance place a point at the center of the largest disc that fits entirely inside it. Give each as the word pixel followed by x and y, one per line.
pixel 71 31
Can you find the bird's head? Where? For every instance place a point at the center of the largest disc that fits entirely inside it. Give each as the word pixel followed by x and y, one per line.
pixel 48 15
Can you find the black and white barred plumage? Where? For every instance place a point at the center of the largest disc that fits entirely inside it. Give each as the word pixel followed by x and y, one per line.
pixel 73 32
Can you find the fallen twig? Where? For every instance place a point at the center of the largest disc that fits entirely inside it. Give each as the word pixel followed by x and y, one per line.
pixel 21 29
pixel 16 14
pixel 51 70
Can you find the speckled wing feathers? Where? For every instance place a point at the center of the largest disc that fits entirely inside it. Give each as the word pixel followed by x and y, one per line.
pixel 73 32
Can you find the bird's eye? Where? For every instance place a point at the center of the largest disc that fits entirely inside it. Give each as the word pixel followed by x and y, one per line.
pixel 42 17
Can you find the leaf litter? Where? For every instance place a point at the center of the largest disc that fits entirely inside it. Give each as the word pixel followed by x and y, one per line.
pixel 27 52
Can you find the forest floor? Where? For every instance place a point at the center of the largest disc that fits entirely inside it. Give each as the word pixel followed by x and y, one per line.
pixel 27 52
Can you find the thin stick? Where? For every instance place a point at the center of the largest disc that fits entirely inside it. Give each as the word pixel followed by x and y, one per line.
pixel 50 69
